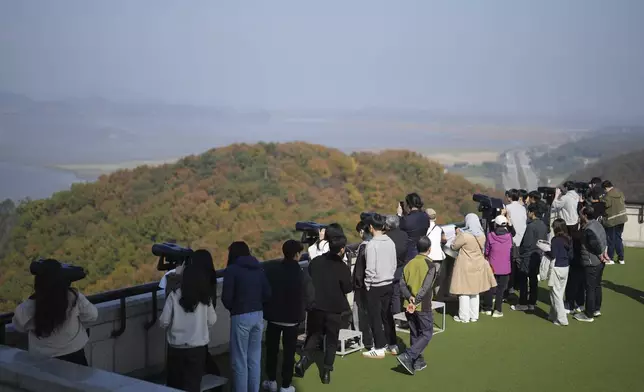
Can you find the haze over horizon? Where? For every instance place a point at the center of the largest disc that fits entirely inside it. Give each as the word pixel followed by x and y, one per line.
pixel 522 58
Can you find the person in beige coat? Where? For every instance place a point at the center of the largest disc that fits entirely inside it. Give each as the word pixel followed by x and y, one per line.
pixel 472 273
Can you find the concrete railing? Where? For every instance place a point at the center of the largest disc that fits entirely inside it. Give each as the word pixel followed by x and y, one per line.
pixel 634 229
pixel 21 371
pixel 137 352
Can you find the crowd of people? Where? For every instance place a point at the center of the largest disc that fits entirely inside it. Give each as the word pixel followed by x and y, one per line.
pixel 399 266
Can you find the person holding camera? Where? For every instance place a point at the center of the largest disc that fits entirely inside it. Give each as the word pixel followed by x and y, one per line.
pixel 616 218
pixel 331 279
pixel 413 221
pixel 53 316
pixel 472 273
pixel 379 276
pixel 566 205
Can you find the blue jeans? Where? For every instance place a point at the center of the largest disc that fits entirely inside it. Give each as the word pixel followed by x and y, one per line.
pixel 246 350
pixel 615 243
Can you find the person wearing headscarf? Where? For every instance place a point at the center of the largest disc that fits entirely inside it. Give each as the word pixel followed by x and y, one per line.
pixel 472 273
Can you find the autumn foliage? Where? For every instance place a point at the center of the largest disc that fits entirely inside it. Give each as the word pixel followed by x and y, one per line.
pixel 253 193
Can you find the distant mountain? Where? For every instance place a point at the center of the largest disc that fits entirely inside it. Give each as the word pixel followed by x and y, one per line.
pixel 254 193
pixel 96 130
pixel 590 147
pixel 625 172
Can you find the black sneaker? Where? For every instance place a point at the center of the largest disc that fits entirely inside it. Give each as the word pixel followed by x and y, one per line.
pixel 406 362
pixel 420 364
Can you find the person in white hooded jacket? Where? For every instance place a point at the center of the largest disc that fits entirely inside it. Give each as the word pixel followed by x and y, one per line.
pixel 567 205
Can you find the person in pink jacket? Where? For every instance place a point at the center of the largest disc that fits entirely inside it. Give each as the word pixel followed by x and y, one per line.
pixel 498 252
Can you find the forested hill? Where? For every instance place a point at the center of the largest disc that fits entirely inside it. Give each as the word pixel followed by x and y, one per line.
pixel 624 171
pixel 254 193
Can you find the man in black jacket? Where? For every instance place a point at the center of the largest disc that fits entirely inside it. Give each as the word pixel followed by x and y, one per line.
pixel 332 282
pixel 293 294
pixel 530 259
pixel 401 240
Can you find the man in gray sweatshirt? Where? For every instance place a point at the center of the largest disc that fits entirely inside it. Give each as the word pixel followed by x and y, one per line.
pixel 380 254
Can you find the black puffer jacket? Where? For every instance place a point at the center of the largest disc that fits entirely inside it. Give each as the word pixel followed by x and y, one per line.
pixel 292 290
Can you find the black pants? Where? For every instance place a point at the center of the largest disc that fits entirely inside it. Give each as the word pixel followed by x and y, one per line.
pixel 528 286
pixel 77 357
pixel 289 342
pixel 575 287
pixel 396 300
pixel 186 366
pixel 502 283
pixel 380 316
pixel 593 279
pixel 598 290
pixel 360 296
pixel 323 324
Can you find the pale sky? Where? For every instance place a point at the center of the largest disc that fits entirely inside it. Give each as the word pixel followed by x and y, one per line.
pixel 570 57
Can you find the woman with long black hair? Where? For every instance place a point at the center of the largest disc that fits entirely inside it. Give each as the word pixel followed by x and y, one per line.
pixel 187 315
pixel 53 316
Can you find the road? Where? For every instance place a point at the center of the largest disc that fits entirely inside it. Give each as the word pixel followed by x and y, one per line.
pixel 519 173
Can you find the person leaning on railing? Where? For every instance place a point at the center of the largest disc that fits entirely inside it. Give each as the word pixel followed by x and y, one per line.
pixel 54 315
pixel 172 281
pixel 187 315
pixel 616 218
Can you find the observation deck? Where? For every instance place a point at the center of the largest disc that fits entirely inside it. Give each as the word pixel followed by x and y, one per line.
pixel 521 351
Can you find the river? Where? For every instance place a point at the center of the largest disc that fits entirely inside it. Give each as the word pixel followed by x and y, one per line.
pixel 18 181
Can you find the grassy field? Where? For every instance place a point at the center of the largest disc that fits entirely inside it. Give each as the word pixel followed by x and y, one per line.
pixel 520 352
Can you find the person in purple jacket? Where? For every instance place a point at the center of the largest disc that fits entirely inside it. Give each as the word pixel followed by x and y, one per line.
pixel 498 251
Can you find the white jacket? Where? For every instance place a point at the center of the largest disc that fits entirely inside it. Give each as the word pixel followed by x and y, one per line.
pixel 186 329
pixel 566 207
pixel 435 234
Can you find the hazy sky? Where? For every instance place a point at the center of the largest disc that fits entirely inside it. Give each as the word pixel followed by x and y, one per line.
pixel 471 56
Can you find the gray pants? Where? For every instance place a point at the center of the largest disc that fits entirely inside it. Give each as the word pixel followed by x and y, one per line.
pixel 557 283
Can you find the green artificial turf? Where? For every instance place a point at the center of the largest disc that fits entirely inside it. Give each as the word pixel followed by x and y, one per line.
pixel 520 352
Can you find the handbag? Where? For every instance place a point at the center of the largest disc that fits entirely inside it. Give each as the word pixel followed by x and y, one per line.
pixel 547 263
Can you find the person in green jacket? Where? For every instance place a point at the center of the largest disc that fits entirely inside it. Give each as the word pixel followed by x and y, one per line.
pixel 616 217
pixel 419 276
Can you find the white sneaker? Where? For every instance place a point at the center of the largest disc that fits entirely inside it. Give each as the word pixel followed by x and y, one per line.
pixel 393 349
pixel 459 320
pixel 611 262
pixel 520 308
pixel 597 313
pixel 269 386
pixel 568 311
pixel 558 324
pixel 486 312
pixel 289 389
pixel 374 353
pixel 497 315
pixel 622 262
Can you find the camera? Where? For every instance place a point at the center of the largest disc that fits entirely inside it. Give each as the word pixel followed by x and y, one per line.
pixel 581 187
pixel 171 255
pixel 547 193
pixel 489 207
pixel 69 272
pixel 310 231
